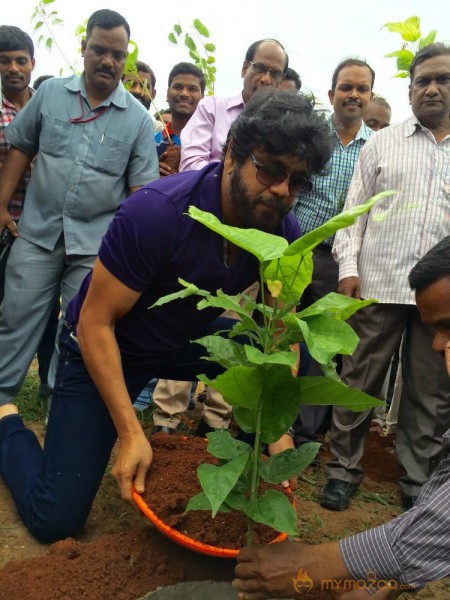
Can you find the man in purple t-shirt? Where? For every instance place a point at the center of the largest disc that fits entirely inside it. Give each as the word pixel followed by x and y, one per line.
pixel 112 344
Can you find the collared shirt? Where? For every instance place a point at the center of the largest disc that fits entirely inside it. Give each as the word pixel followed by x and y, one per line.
pixel 414 548
pixel 161 139
pixel 84 169
pixel 383 245
pixel 152 243
pixel 206 132
pixel 327 196
pixel 7 113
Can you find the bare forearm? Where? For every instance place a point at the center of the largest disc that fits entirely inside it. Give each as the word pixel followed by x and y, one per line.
pixel 13 169
pixel 101 355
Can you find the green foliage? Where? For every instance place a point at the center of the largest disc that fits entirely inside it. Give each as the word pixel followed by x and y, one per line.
pixel 258 380
pixel 413 41
pixel 201 52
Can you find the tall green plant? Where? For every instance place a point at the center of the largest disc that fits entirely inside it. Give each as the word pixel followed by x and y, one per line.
pixel 201 52
pixel 258 381
pixel 413 41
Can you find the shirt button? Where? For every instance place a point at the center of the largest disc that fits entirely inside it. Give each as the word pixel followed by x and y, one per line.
pixel 85 138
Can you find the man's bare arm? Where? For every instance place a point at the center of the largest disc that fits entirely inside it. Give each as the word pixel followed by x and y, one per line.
pixel 107 301
pixel 13 169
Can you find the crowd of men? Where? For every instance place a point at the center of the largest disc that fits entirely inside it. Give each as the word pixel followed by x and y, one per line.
pixel 92 214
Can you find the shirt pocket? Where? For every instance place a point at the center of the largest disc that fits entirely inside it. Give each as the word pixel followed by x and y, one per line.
pixel 112 156
pixel 55 136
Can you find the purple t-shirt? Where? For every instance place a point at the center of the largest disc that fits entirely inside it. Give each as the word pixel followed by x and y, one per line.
pixel 152 242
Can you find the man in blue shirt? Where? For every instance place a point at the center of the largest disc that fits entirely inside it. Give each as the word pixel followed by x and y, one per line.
pixel 95 145
pixel 111 344
pixel 186 89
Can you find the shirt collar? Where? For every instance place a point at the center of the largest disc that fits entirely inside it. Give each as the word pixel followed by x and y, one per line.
pixel 8 103
pixel 118 96
pixel 235 102
pixel 363 133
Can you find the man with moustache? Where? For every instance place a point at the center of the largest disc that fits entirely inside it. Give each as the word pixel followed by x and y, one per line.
pixel 350 94
pixel 112 344
pixel 95 145
pixel 374 257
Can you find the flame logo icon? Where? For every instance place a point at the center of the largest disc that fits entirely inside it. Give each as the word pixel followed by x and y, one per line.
pixel 302 583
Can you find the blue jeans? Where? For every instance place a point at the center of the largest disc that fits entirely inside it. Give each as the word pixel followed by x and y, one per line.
pixel 54 487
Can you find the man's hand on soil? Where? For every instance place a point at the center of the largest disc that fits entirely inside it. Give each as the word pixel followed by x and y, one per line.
pixel 132 463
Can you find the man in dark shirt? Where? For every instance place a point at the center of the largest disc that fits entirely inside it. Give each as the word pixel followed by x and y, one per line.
pixel 112 344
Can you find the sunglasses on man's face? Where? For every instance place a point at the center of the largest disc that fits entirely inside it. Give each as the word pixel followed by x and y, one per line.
pixel 272 174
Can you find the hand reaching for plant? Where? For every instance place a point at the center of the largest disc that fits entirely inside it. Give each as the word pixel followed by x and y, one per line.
pixel 132 463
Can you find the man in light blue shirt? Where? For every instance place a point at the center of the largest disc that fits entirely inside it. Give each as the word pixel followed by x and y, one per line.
pixel 95 145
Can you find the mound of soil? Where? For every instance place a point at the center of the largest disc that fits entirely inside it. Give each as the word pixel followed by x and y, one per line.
pixel 173 480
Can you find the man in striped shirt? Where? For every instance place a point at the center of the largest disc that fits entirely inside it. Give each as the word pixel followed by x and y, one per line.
pixel 408 552
pixel 375 256
pixel 350 95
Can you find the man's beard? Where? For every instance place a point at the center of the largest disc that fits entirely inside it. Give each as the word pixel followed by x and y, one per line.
pixel 248 210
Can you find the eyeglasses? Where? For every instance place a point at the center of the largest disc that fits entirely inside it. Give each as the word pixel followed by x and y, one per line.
pixel 261 69
pixel 268 175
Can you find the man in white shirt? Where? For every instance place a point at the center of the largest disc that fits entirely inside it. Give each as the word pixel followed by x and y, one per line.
pixel 375 256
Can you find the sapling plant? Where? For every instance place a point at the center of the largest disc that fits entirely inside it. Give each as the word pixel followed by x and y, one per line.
pixel 259 379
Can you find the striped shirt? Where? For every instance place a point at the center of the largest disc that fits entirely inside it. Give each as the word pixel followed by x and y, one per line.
pixel 7 113
pixel 327 196
pixel 383 245
pixel 414 548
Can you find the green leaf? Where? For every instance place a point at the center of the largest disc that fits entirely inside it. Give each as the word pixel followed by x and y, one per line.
pixel 324 391
pixel 190 290
pixel 199 502
pixel 49 43
pixel 404 58
pixel 47 1
pixel 294 271
pixel 344 219
pixel 257 357
pixel 326 336
pixel 275 510
pixel 38 25
pixel 281 467
pixel 201 28
pixel 402 75
pixel 265 246
pixel 224 351
pixel 195 56
pixel 427 40
pixel 189 42
pixel 225 302
pixel 222 445
pixel 210 48
pixel 218 481
pixel 132 56
pixel 172 38
pixel 409 29
pixel 177 29
pixel 210 60
pixel 340 306
pixel 240 386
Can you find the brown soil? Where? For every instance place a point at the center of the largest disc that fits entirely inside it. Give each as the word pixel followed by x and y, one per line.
pixel 121 556
pixel 173 481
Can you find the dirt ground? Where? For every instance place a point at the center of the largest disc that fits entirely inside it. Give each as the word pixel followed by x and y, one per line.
pixel 118 553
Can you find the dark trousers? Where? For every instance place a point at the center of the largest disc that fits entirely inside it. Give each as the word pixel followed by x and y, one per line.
pixel 54 487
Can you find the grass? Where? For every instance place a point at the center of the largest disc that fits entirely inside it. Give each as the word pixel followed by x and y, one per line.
pixel 31 405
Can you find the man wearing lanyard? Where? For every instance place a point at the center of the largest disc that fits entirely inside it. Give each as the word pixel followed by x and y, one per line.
pixel 95 145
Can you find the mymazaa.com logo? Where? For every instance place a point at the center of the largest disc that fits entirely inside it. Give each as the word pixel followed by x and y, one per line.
pixel 371 584
pixel 302 583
